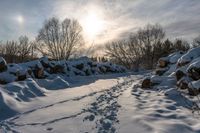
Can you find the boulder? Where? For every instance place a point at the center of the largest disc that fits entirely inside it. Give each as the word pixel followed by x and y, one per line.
pixel 2 81
pixel 57 69
pixel 179 74
pixel 3 65
pixel 45 62
pixel 21 77
pixel 146 83
pixel 194 73
pixel 38 72
pixel 102 69
pixel 162 62
pixel 183 83
pixel 180 64
pixel 160 71
pixel 80 66
pixel 194 88
pixel 193 92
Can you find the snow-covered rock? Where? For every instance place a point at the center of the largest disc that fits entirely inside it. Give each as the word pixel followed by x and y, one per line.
pixel 184 67
pixel 194 87
pixel 3 65
pixel 189 56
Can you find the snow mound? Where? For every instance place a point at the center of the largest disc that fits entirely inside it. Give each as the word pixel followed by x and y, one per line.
pixel 24 90
pixel 5 106
pixel 53 84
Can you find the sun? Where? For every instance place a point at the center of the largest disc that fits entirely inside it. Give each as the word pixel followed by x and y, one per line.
pixel 20 19
pixel 92 25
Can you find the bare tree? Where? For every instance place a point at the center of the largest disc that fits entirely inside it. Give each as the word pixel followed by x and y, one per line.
pixel 180 44
pixel 24 48
pixel 11 51
pixel 142 47
pixel 150 37
pixel 2 49
pixel 196 41
pixel 60 40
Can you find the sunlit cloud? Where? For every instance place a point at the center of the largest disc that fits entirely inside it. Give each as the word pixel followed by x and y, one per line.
pixel 102 20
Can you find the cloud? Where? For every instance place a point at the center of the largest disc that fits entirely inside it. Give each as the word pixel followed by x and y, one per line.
pixel 180 18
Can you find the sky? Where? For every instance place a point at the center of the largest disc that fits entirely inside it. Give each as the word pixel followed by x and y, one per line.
pixel 102 20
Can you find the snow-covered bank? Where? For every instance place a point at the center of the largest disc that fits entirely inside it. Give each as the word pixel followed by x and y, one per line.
pixel 23 82
pixel 181 71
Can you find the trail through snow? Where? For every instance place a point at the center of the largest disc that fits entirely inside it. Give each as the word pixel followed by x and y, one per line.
pixel 105 106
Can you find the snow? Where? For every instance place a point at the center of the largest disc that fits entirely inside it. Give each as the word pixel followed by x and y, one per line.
pixel 2 60
pixel 104 101
pixel 195 85
pixel 190 55
pixel 173 58
pixel 7 77
pixel 194 64
pixel 53 84
pixel 99 103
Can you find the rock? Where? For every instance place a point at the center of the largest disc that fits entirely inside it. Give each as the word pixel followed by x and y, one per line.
pixel 88 72
pixel 2 81
pixel 57 69
pixel 80 66
pixel 194 88
pixel 146 83
pixel 38 72
pixel 45 62
pixel 179 75
pixel 102 69
pixel 180 64
pixel 21 77
pixel 3 65
pixel 162 63
pixel 194 73
pixel 160 71
pixel 29 71
pixel 193 92
pixel 182 84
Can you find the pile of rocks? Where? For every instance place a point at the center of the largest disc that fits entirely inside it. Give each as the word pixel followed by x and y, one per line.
pixel 44 67
pixel 184 67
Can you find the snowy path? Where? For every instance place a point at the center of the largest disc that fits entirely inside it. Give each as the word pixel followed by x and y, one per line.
pixel 106 106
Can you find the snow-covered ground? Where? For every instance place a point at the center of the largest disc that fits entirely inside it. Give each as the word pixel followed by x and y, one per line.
pixel 100 104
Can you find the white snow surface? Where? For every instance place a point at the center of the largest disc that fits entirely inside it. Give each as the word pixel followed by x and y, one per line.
pixel 94 104
pixel 190 55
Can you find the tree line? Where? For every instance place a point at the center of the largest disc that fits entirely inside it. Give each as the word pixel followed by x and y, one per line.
pixel 143 48
pixel 57 40
pixel 63 40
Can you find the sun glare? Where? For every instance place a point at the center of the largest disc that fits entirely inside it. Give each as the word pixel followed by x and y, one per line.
pixel 20 19
pixel 92 25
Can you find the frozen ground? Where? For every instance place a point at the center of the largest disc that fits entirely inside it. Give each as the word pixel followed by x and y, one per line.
pixel 103 104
